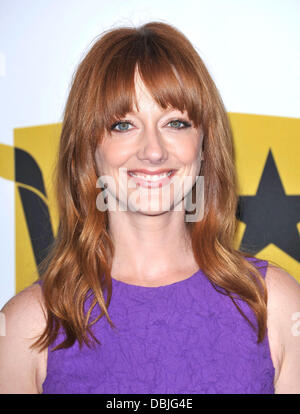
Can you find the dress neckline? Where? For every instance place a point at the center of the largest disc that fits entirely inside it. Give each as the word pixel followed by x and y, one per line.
pixel 152 288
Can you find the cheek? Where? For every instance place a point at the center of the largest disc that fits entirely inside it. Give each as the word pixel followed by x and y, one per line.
pixel 189 152
pixel 111 156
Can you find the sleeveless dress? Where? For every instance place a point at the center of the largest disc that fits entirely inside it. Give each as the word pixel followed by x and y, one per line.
pixel 182 338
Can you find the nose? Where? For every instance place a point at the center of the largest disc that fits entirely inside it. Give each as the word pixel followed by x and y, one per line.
pixel 152 147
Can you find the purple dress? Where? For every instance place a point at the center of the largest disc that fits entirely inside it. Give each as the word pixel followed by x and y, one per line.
pixel 182 338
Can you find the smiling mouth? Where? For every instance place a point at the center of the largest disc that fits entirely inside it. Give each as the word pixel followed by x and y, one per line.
pixel 152 180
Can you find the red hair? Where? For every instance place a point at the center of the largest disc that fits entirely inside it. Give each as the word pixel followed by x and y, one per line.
pixel 103 90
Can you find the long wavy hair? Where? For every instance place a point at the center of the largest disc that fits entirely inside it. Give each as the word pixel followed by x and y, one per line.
pixel 103 90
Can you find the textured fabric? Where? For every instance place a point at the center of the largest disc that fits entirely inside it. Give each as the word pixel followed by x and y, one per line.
pixel 181 338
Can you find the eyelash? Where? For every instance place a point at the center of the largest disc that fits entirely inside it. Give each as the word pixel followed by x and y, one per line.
pixel 185 123
pixel 118 123
pixel 125 121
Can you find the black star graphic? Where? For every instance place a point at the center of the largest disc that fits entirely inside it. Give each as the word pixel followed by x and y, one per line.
pixel 271 216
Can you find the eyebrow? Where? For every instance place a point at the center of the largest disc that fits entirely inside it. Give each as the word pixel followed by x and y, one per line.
pixel 165 110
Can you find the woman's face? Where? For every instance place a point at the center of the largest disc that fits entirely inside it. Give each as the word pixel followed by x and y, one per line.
pixel 151 158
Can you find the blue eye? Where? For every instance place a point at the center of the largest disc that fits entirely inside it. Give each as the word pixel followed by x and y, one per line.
pixel 121 126
pixel 178 124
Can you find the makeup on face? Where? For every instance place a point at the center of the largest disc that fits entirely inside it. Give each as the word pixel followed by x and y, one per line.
pixel 153 144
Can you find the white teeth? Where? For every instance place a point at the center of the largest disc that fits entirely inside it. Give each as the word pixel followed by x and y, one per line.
pixel 148 177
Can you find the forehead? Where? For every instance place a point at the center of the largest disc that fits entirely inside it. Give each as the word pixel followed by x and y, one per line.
pixel 126 90
pixel 144 99
pixel 142 93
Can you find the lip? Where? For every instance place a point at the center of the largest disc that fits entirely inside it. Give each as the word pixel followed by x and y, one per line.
pixel 150 172
pixel 151 184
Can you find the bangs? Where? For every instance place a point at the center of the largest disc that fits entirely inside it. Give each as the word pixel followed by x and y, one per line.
pixel 170 76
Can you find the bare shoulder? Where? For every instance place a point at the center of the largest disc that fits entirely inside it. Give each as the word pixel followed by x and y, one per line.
pixel 284 328
pixel 283 292
pixel 25 311
pixel 23 368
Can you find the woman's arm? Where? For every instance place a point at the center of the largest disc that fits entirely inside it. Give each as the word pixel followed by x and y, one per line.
pixel 23 370
pixel 284 329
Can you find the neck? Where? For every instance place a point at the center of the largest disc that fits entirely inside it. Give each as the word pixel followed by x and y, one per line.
pixel 149 248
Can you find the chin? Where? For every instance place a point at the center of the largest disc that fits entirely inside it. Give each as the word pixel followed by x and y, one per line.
pixel 150 213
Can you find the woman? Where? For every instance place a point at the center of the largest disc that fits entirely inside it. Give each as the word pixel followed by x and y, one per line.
pixel 137 296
